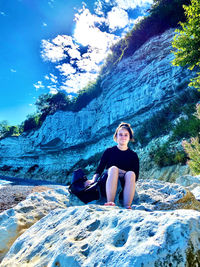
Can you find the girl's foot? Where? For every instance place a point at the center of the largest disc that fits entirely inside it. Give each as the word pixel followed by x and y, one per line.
pixel 128 207
pixel 109 204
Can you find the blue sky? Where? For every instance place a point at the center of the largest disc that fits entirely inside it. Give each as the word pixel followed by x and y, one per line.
pixel 52 45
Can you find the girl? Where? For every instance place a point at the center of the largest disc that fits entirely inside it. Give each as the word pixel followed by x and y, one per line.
pixel 122 163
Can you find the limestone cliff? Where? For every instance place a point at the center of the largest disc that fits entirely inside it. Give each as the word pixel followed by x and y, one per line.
pixel 138 87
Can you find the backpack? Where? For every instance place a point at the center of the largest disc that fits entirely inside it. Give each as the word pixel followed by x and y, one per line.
pixel 85 194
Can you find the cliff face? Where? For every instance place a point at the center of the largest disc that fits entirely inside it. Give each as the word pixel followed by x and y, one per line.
pixel 138 87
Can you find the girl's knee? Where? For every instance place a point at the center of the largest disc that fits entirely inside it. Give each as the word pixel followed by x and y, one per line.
pixel 130 175
pixel 113 169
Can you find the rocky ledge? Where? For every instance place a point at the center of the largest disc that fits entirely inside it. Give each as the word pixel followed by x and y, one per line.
pixel 54 228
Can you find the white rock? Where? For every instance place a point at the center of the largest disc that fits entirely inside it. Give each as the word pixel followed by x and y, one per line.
pixel 188 180
pixel 196 192
pixel 14 221
pixel 109 236
pixel 151 196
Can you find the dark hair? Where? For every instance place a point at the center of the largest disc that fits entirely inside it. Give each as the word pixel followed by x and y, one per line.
pixel 127 126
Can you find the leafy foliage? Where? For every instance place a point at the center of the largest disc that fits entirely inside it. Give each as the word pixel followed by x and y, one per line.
pixel 48 104
pixel 32 122
pixel 160 123
pixel 6 130
pixel 166 155
pixel 186 128
pixel 193 149
pixel 187 41
pixel 86 95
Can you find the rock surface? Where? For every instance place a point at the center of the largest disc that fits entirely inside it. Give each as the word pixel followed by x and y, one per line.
pixel 99 236
pixel 160 230
pixel 192 183
pixel 14 221
pixel 146 81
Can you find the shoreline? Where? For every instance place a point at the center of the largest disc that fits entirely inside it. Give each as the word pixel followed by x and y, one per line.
pixel 14 190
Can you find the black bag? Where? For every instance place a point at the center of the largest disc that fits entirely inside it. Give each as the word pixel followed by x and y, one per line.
pixel 102 183
pixel 85 194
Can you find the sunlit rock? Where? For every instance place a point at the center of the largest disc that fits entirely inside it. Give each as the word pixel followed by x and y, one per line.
pixel 14 221
pixel 188 180
pixel 192 183
pixel 109 236
pixel 153 199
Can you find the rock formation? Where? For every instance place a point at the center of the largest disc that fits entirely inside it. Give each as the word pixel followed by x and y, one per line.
pixel 163 229
pixel 138 87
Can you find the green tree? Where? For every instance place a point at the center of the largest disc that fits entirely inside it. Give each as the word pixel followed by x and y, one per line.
pixel 48 104
pixel 193 149
pixel 6 130
pixel 32 122
pixel 187 41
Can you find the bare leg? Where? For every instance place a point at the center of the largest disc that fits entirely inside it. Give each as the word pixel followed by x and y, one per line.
pixel 111 183
pixel 129 188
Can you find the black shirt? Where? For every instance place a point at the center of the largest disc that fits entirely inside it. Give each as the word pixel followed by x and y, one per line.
pixel 126 160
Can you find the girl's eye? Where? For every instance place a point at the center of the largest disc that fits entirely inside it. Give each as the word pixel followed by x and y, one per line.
pixel 124 135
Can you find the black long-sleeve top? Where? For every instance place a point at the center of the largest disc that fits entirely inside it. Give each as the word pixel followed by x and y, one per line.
pixel 126 160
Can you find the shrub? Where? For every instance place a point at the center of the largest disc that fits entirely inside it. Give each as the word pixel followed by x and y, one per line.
pixel 32 122
pixel 6 130
pixel 87 94
pixel 160 123
pixel 164 155
pixel 193 149
pixel 186 128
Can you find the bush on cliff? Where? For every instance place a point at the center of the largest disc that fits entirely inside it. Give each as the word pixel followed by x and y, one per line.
pixel 166 155
pixel 7 130
pixel 193 149
pixel 32 122
pixel 160 123
pixel 187 41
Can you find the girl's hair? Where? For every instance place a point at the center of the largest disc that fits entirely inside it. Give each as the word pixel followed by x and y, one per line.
pixel 127 126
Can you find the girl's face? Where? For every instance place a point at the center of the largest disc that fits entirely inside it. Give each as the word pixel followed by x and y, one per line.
pixel 123 137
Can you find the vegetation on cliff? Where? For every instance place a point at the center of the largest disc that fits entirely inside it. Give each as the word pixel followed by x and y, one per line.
pixel 192 148
pixel 187 41
pixel 163 14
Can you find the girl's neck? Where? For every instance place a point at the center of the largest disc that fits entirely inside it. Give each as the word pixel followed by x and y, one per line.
pixel 122 147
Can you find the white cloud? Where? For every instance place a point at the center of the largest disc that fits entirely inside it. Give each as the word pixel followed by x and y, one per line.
pixel 38 85
pixel 77 82
pixel 53 78
pixel 2 13
pixel 44 24
pixel 52 89
pixel 66 69
pixel 52 52
pixel 63 41
pixel 12 70
pixel 88 32
pixel 117 18
pixel 85 31
pixel 74 53
pixel 59 48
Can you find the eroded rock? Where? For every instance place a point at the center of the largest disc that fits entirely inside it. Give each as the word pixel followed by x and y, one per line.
pixel 83 234
pixel 94 235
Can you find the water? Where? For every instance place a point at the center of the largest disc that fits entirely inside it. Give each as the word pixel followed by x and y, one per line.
pixel 6 180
